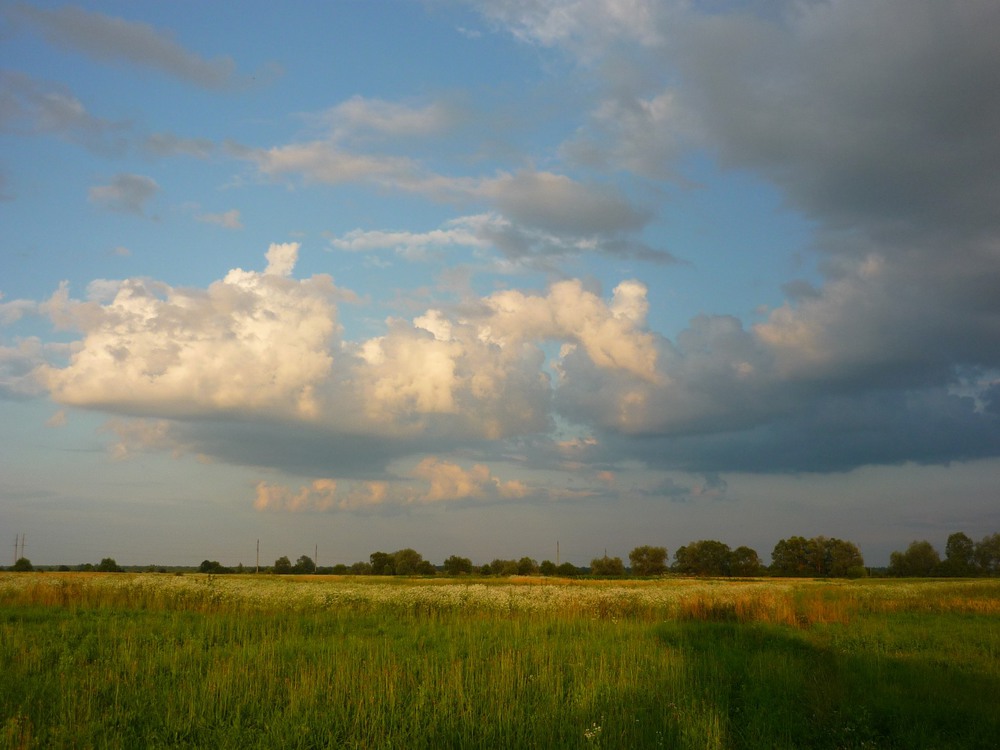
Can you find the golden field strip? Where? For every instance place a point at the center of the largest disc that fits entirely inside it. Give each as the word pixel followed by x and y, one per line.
pixel 787 601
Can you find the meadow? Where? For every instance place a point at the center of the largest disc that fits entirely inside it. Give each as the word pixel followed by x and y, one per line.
pixel 157 660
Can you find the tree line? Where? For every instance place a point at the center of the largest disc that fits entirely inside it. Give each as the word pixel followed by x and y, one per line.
pixel 962 558
pixel 797 556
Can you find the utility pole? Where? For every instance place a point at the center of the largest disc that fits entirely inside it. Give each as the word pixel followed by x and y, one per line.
pixel 258 557
pixel 557 552
pixel 17 537
pixel 316 556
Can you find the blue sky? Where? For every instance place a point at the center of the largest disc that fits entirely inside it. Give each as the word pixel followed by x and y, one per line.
pixel 478 277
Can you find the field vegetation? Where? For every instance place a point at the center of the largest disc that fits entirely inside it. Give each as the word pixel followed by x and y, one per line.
pixel 152 660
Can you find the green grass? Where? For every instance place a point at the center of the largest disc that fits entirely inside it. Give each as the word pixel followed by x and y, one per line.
pixel 113 662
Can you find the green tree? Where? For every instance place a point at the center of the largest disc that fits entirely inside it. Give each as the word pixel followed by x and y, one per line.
pixel 648 561
pixel 745 562
pixel 547 568
pixel 456 566
pixel 304 564
pixel 527 567
pixel 607 567
pixel 361 568
pixel 919 560
pixel 841 559
pixel 23 565
pixel 707 557
pixel 108 565
pixel 959 556
pixel 212 566
pixel 382 564
pixel 988 554
pixel 819 556
pixel 567 570
pixel 792 557
pixel 406 562
pixel 282 565
pixel 503 567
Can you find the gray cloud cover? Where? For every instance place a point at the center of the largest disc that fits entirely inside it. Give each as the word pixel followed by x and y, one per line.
pixel 117 40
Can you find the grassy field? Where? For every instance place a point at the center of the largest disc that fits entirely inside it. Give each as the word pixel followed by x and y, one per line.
pixel 145 661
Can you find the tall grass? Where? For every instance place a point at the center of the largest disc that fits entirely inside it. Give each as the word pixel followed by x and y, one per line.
pixel 162 661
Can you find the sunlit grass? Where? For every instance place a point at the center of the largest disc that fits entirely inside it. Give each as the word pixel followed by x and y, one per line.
pixel 239 662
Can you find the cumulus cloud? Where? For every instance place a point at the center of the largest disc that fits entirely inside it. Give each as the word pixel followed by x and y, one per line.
pixel 116 40
pixel 266 346
pixel 126 193
pixel 318 496
pixel 143 435
pixel 448 481
pixel 438 481
pixel 250 342
pixel 889 147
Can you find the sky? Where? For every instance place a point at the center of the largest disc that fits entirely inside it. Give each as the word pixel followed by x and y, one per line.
pixel 496 278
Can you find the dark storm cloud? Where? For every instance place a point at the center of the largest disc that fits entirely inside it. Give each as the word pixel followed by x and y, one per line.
pixel 878 114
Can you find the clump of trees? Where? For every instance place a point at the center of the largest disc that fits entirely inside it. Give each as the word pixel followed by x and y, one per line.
pixel 214 567
pixel 404 562
pixel 819 557
pixel 962 558
pixel 304 565
pixel 648 561
pixel 712 558
pixel 607 567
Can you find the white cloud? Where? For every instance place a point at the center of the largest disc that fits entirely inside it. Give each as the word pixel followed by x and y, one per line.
pixel 361 117
pixel 227 219
pixel 13 311
pixel 127 193
pixel 281 258
pixel 439 481
pixel 613 338
pixel 143 435
pixel 461 232
pixel 450 482
pixel 250 343
pixel 586 25
pixel 325 162
pixel 327 494
pixel 318 496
